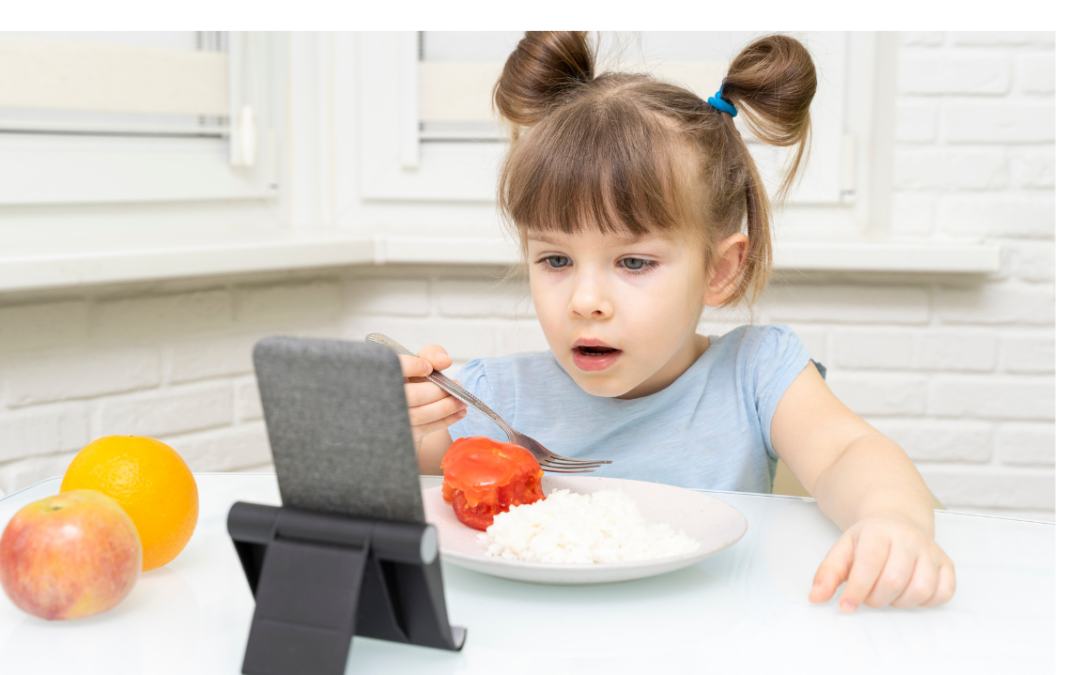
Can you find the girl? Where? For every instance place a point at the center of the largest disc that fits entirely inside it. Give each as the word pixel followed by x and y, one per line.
pixel 637 204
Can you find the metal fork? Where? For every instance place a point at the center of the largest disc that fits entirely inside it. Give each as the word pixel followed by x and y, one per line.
pixel 547 459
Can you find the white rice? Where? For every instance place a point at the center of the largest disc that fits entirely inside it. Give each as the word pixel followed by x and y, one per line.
pixel 566 527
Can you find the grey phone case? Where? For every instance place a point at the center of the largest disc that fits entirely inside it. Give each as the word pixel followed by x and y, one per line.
pixel 339 427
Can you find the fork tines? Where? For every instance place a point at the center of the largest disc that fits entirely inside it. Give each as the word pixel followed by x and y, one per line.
pixel 556 466
pixel 564 469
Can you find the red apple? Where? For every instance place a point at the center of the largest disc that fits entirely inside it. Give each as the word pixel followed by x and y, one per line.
pixel 68 556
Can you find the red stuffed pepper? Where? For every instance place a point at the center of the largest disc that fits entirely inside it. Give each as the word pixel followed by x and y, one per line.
pixel 483 478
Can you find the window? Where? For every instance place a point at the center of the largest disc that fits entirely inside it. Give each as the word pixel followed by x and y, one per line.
pixel 434 137
pixel 135 117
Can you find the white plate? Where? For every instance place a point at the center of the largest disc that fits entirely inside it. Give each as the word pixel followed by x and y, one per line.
pixel 712 522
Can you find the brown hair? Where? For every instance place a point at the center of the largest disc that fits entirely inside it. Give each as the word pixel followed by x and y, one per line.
pixel 626 153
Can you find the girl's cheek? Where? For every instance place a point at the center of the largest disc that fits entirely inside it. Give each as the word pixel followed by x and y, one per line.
pixel 660 311
pixel 550 308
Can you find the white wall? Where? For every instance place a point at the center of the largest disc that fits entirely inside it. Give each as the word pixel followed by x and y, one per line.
pixel 959 370
pixel 975 156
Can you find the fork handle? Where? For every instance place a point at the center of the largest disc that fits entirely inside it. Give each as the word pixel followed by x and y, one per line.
pixel 447 385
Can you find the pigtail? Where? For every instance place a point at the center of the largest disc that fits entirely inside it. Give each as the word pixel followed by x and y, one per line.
pixel 772 82
pixel 541 73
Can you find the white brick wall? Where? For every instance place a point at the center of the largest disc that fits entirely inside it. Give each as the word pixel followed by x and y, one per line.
pixel 959 370
pixel 975 158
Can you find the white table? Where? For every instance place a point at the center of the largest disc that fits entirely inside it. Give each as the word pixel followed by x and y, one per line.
pixel 743 610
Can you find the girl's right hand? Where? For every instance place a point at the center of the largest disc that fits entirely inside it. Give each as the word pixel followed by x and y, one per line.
pixel 430 408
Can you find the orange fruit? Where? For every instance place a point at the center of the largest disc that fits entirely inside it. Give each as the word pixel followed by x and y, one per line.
pixel 150 481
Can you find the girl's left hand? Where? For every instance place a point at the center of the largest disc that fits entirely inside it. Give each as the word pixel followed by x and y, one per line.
pixel 885 561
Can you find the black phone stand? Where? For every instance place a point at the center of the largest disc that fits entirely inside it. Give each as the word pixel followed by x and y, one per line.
pixel 318 579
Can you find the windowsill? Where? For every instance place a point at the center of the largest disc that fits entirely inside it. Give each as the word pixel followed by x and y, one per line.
pixel 51 264
pixel 30 265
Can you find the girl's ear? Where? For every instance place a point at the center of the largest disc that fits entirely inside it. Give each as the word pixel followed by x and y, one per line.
pixel 729 255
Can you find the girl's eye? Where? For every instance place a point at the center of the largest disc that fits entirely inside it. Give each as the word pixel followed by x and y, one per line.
pixel 556 261
pixel 637 264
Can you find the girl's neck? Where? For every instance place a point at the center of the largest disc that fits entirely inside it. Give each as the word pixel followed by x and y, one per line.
pixel 688 354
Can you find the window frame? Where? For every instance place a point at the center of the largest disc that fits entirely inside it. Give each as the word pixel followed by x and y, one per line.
pixel 89 167
pixel 397 163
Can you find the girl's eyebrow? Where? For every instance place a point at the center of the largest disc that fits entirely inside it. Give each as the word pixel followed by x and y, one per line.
pixel 554 241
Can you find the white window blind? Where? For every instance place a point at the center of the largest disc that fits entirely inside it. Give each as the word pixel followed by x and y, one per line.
pixel 115 83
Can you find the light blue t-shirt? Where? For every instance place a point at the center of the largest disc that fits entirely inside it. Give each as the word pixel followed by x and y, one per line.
pixel 710 429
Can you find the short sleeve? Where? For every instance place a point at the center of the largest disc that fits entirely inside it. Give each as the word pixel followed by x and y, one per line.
pixel 775 361
pixel 474 378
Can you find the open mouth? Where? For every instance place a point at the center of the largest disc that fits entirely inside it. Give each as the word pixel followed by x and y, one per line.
pixel 595 357
pixel 595 351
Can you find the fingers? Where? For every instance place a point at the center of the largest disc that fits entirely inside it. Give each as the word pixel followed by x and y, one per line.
pixel 434 416
pixel 871 553
pixel 833 570
pixel 931 584
pixel 946 585
pixel 436 356
pixel 431 408
pixel 412 367
pixel 922 585
pixel 431 357
pixel 424 392
pixel 423 429
pixel 895 576
pixel 885 563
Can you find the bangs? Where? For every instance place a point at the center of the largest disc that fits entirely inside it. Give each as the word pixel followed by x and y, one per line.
pixel 601 164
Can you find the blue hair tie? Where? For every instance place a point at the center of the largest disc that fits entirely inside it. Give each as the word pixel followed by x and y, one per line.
pixel 722 105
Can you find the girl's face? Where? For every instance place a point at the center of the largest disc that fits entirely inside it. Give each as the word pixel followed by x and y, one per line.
pixel 620 314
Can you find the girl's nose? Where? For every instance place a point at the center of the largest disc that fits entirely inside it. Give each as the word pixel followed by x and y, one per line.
pixel 590 301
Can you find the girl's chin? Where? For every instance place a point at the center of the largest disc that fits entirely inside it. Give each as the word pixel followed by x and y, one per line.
pixel 603 384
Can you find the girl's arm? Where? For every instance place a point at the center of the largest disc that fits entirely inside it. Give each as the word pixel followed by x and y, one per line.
pixel 867 485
